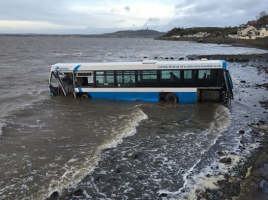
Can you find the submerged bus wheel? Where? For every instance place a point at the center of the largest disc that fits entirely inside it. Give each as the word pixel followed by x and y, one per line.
pixel 170 97
pixel 86 96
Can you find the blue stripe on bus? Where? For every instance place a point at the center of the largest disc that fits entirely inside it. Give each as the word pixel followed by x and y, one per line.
pixel 184 97
pixel 187 97
pixel 224 64
pixel 77 67
pixel 230 78
pixel 227 83
pixel 80 90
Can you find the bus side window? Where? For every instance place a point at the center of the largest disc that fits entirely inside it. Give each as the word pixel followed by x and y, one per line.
pixel 105 79
pixel 170 76
pixel 189 75
pixel 208 74
pixel 126 78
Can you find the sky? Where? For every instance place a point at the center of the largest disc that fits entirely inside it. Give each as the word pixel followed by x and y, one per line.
pixel 106 16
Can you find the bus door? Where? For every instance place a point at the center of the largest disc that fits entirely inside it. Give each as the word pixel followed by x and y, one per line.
pixel 61 83
pixel 229 83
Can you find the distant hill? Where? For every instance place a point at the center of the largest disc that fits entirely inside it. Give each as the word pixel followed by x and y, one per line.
pixel 144 33
pixel 214 31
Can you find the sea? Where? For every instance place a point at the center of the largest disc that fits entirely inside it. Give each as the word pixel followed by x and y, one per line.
pixel 114 149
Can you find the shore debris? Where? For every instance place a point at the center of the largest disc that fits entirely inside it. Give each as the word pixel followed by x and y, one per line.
pixel 259 126
pixel 264 186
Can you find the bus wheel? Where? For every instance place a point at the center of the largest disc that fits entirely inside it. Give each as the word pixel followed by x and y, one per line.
pixel 170 97
pixel 86 96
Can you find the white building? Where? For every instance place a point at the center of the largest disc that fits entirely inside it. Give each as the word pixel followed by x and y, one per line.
pixel 252 32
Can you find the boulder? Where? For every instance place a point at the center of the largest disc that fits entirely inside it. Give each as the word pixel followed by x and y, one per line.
pixel 78 192
pixel 226 160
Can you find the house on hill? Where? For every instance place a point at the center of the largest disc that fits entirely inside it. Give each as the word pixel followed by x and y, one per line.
pixel 252 32
pixel 263 31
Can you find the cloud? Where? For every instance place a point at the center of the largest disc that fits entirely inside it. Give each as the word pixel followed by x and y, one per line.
pixel 121 21
pixel 127 8
pixel 113 10
pixel 153 22
pixel 192 13
pixel 63 15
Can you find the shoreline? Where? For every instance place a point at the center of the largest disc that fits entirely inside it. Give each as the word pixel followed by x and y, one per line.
pixel 260 43
pixel 242 182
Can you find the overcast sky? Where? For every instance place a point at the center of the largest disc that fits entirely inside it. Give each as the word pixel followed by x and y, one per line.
pixel 105 16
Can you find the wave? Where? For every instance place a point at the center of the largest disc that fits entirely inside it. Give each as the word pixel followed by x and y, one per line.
pixel 74 174
pixel 1 128
pixel 197 182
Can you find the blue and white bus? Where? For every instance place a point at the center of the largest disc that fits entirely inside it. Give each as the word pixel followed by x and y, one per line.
pixel 150 80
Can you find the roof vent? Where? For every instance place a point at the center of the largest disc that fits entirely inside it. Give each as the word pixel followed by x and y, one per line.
pixel 149 62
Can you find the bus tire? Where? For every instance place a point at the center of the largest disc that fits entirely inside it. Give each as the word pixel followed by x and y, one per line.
pixel 172 98
pixel 86 96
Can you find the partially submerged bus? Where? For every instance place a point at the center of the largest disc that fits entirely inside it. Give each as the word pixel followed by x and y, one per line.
pixel 149 80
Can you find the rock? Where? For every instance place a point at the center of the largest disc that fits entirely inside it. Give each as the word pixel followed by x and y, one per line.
pixel 64 195
pixel 221 153
pixel 242 81
pixel 107 188
pixel 136 155
pixel 118 170
pixel 261 122
pixel 140 177
pixel 181 58
pixel 230 59
pixel 78 192
pixel 190 58
pixel 163 195
pixel 226 160
pixel 156 162
pixel 97 177
pixel 54 195
pixel 241 132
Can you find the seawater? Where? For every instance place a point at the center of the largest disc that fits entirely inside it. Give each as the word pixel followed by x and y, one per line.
pixel 111 149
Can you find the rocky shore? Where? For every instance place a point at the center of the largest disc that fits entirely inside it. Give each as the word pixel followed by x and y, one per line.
pixel 244 184
pixel 261 43
pixel 242 181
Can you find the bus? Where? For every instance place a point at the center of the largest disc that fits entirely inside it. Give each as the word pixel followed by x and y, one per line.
pixel 149 80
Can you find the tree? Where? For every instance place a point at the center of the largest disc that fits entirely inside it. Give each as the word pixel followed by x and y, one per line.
pixel 262 14
pixel 263 20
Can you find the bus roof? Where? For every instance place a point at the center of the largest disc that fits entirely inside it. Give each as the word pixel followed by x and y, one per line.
pixel 144 65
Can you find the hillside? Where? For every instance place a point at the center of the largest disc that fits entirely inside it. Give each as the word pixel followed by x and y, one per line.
pixel 214 31
pixel 144 33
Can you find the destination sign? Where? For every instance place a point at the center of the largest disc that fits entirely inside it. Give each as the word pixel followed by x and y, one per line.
pixel 187 66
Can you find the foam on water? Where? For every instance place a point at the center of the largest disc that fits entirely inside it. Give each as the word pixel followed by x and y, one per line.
pixel 196 182
pixel 1 129
pixel 74 172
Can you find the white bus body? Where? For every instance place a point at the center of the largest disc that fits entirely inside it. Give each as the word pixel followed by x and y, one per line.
pixel 150 80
